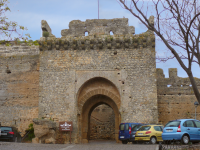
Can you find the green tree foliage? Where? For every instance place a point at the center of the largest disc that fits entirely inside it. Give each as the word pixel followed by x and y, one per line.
pixel 9 30
pixel 31 134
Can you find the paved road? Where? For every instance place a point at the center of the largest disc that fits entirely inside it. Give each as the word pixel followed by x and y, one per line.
pixel 93 145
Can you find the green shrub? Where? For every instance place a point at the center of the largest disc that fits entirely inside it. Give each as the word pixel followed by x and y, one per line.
pixel 31 134
pixel 45 34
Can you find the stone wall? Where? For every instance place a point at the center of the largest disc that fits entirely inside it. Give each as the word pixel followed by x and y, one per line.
pixel 19 85
pixel 175 97
pixel 102 123
pixel 125 60
pixel 48 84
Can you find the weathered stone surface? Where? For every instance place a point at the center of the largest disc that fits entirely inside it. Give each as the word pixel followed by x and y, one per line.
pixel 35 140
pixel 50 141
pixel 98 27
pixel 45 27
pixel 40 130
pixel 44 130
pixel 102 123
pixel 175 97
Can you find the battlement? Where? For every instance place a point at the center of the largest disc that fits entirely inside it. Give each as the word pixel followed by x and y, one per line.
pixel 98 26
pixel 101 42
pixel 20 49
pixel 98 36
pixel 174 84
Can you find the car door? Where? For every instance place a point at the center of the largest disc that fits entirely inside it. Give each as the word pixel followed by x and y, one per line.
pixel 127 136
pixel 191 129
pixel 197 123
pixel 158 132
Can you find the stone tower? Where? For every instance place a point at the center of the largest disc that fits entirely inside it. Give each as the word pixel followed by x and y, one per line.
pixel 79 73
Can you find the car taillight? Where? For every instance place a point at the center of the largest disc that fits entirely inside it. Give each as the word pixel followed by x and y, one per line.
pixel 11 132
pixel 129 130
pixel 148 132
pixel 179 128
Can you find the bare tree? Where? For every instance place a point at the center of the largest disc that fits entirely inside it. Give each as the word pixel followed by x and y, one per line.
pixel 177 24
pixel 9 30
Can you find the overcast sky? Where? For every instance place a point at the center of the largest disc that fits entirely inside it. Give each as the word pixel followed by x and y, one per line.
pixel 58 14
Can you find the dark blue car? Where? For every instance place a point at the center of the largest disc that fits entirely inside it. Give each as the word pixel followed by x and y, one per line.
pixel 184 130
pixel 125 131
pixel 133 131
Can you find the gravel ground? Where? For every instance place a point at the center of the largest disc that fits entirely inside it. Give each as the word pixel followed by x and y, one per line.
pixel 93 145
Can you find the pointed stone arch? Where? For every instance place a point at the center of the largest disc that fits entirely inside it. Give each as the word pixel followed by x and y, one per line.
pixel 92 93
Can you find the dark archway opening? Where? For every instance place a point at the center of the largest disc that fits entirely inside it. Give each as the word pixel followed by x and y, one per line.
pixel 89 106
pixel 102 123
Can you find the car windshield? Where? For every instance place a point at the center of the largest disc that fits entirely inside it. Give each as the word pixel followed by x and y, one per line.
pixel 6 129
pixel 144 128
pixel 173 124
pixel 136 127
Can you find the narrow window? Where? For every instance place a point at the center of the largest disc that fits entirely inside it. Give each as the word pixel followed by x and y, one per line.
pixel 86 33
pixel 111 33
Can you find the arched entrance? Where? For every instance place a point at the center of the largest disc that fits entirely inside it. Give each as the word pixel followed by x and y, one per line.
pixel 93 93
pixel 102 123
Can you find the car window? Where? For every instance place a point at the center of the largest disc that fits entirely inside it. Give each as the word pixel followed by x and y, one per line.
pixel 173 124
pixel 157 128
pixel 189 123
pixel 161 128
pixel 197 124
pixel 184 124
pixel 6 129
pixel 122 127
pixel 127 127
pixel 132 126
pixel 136 127
pixel 144 128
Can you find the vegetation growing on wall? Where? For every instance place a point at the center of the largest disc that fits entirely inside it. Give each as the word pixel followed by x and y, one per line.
pixel 30 132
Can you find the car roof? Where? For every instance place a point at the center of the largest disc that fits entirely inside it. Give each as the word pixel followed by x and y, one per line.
pixel 152 125
pixel 182 120
pixel 130 123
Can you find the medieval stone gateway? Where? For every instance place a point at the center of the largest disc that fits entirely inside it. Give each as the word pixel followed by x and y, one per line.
pixel 79 78
pixel 93 93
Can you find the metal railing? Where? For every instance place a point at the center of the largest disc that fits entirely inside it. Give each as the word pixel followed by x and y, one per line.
pixel 174 145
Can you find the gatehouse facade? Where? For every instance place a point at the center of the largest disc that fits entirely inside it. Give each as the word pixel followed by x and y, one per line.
pixel 69 78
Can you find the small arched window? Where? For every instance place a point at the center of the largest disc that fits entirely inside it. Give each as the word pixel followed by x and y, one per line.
pixel 86 33
pixel 111 33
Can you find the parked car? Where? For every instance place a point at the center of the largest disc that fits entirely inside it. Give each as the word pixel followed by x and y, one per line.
pixel 133 131
pixel 150 133
pixel 10 134
pixel 125 131
pixel 184 130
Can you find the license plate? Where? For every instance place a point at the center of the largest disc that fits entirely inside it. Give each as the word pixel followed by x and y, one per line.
pixel 121 137
pixel 3 133
pixel 140 133
pixel 169 130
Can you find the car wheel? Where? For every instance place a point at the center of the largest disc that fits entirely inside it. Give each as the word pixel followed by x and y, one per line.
pixel 185 139
pixel 153 140
pixel 124 142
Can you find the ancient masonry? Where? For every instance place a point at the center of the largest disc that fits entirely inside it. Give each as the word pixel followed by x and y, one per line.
pixel 95 81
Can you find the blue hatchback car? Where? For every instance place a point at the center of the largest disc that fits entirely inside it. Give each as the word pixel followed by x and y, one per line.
pixel 184 130
pixel 125 131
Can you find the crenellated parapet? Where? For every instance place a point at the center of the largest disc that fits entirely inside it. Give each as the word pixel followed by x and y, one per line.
pixel 101 42
pixel 174 84
pixel 98 36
